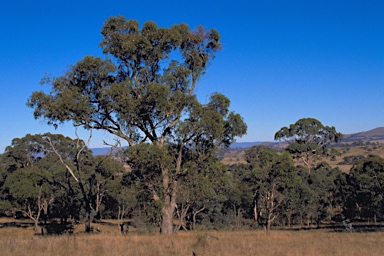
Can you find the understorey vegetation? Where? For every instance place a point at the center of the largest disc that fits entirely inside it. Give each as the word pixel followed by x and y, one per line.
pixel 57 183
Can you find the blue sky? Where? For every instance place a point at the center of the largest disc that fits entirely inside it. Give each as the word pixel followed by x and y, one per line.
pixel 281 60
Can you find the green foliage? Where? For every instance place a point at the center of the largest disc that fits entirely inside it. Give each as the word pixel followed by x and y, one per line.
pixel 267 179
pixel 202 189
pixel 29 183
pixel 367 180
pixel 24 152
pixel 308 139
pixel 6 207
pixel 142 89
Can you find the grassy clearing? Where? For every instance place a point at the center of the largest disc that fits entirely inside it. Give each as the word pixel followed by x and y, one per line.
pixel 321 242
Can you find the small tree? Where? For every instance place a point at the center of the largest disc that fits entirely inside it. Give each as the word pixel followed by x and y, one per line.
pixel 199 190
pixel 308 139
pixel 367 180
pixel 91 176
pixel 123 198
pixel 270 171
pixel 107 169
pixel 30 192
pixel 27 184
pixel 322 183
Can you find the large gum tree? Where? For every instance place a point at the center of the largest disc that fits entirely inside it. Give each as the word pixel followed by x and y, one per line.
pixel 308 139
pixel 144 92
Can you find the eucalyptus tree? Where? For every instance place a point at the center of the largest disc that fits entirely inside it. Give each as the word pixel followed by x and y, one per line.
pixel 308 139
pixel 30 192
pixel 145 93
pixel 24 152
pixel 92 175
pixel 297 197
pixel 241 194
pixel 107 170
pixel 367 180
pixel 323 183
pixel 122 198
pixel 200 189
pixel 26 184
pixel 271 171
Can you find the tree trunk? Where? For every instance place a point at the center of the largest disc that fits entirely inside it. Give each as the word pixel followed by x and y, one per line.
pixel 182 215
pixel 170 188
pixel 301 219
pixel 120 214
pixel 289 220
pixel 29 213
pixel 239 217
pixel 167 217
pixel 270 218
pixel 268 225
pixel 88 220
pixel 169 205
pixel 36 222
pixel 255 214
pixel 194 217
pixel 87 207
pixel 234 214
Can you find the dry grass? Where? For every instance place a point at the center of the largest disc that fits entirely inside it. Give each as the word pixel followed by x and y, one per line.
pixel 229 243
pixel 238 156
pixel 356 150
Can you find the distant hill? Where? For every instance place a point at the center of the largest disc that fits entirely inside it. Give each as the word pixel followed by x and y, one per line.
pixel 244 144
pixel 101 151
pixel 271 144
pixel 374 135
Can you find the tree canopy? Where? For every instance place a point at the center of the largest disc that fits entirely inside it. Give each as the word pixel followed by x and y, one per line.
pixel 142 93
pixel 308 138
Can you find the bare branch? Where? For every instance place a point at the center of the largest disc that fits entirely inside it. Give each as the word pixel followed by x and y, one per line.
pixel 61 159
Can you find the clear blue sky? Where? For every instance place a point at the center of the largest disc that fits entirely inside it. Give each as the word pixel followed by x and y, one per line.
pixel 281 60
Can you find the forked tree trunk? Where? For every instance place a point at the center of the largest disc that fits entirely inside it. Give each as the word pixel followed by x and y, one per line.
pixel 194 216
pixel 120 214
pixel 270 218
pixel 30 214
pixel 37 227
pixel 182 215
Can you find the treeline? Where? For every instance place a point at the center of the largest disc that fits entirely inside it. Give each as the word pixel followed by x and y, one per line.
pixel 55 179
pixel 274 191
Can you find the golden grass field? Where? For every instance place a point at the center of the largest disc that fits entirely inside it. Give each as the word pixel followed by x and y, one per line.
pixel 21 241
